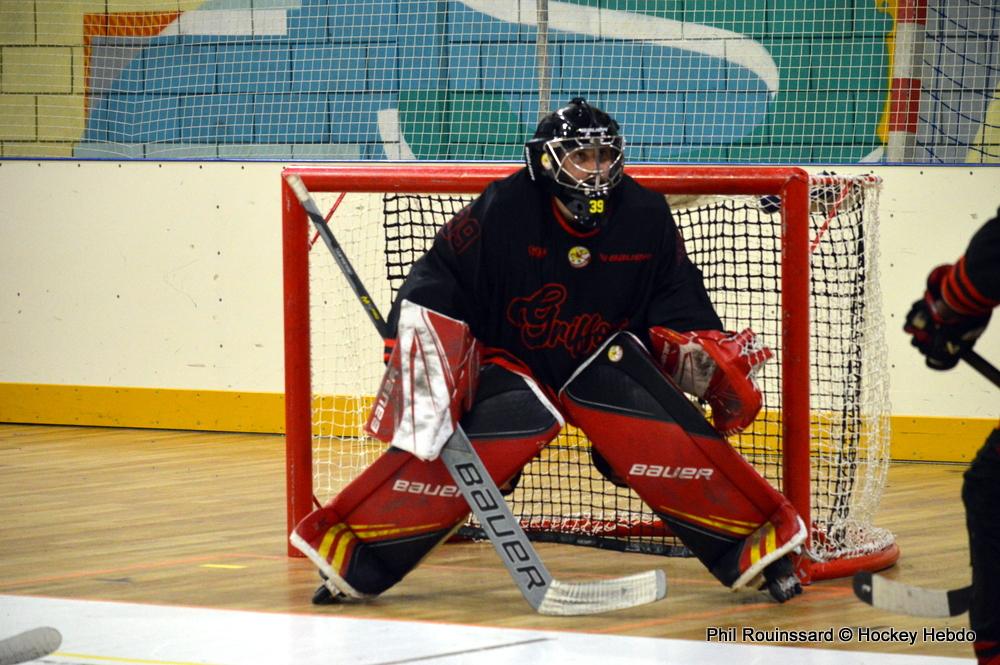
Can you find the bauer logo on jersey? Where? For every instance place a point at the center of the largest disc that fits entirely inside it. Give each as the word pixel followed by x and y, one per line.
pixel 579 257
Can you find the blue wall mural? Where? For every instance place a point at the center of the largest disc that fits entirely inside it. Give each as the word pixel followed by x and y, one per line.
pixel 698 80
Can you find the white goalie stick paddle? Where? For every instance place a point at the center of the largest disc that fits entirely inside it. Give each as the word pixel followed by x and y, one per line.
pixel 901 598
pixel 29 645
pixel 544 593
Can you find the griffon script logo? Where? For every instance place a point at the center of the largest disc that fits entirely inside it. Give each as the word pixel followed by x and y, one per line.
pixel 538 319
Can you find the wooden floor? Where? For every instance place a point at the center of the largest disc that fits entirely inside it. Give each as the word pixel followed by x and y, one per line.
pixel 198 519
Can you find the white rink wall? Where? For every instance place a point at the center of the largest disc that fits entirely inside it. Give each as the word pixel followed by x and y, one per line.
pixel 168 275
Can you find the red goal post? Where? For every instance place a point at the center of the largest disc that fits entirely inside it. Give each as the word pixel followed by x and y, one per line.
pixel 798 229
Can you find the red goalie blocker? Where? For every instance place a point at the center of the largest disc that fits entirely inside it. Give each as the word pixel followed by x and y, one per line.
pixel 428 384
pixel 733 520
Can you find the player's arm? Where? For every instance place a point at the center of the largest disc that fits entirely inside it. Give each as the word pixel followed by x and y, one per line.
pixel 686 337
pixel 680 300
pixel 983 257
pixel 432 358
pixel 445 278
pixel 958 301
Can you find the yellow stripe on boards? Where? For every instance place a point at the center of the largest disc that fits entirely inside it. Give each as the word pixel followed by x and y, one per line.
pixel 169 408
pixel 926 439
pixel 916 438
pixel 158 408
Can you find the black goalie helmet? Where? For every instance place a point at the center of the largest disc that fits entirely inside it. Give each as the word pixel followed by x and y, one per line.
pixel 578 152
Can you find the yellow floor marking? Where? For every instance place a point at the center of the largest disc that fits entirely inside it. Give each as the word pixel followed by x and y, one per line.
pixel 113 659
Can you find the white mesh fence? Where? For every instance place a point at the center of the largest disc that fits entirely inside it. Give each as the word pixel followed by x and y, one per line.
pixel 721 81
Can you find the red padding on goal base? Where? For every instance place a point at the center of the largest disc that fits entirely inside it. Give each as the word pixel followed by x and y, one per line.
pixel 813 571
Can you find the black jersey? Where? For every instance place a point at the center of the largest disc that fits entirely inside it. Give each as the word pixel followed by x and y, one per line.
pixel 529 283
pixel 972 287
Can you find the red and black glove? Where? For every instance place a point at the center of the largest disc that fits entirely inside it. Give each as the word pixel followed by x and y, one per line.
pixel 717 366
pixel 939 332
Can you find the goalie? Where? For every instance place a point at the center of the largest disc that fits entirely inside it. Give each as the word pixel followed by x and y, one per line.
pixel 562 293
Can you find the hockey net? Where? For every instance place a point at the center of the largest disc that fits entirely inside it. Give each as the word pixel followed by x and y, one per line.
pixel 792 257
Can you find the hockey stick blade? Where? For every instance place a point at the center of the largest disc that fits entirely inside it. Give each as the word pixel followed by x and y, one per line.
pixel 545 594
pixel 916 601
pixel 902 598
pixel 29 645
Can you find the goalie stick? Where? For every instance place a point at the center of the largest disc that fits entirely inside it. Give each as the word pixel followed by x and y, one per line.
pixel 312 210
pixel 901 598
pixel 29 645
pixel 545 594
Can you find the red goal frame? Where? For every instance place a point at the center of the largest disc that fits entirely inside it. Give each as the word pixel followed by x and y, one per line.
pixel 791 184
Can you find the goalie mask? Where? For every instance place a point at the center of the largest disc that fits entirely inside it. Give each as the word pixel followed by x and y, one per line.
pixel 577 152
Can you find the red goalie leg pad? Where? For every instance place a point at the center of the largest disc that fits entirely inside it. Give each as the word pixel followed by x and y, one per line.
pixel 385 521
pixel 663 447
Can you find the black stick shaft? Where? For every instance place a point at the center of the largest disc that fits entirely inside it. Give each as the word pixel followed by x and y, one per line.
pixel 339 256
pixel 983 366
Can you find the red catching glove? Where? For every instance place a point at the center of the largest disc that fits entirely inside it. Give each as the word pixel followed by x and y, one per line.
pixel 718 367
